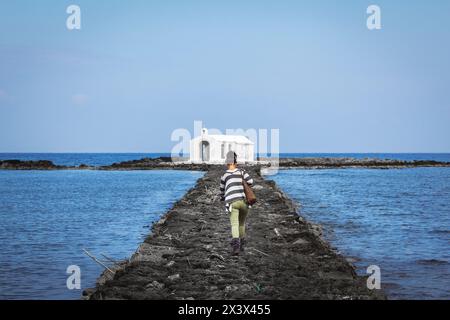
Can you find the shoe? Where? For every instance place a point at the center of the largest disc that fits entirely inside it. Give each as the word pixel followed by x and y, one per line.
pixel 235 246
pixel 242 244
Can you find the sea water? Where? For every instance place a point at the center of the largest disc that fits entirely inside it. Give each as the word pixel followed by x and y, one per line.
pixel 397 219
pixel 47 218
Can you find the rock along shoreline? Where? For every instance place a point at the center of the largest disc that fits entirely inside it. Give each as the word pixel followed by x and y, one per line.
pixel 179 164
pixel 186 256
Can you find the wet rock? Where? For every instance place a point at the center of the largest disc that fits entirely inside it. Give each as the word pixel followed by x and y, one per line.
pixel 174 277
pixel 317 163
pixel 155 285
pixel 88 292
pixel 182 164
pixel 300 242
pixel 28 165
pixel 279 195
pixel 170 264
pixel 316 230
pixel 352 260
pixel 230 289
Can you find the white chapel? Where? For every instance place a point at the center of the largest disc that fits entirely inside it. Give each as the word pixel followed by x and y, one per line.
pixel 213 148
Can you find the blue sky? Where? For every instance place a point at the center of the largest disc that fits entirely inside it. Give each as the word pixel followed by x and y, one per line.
pixel 137 70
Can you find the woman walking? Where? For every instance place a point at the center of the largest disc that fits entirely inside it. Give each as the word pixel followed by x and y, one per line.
pixel 232 192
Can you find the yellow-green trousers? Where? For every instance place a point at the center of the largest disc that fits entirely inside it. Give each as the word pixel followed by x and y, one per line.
pixel 239 210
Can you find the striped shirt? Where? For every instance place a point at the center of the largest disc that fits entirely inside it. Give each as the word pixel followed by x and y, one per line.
pixel 231 188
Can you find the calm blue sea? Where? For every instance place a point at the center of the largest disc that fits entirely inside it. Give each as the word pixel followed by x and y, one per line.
pixel 398 219
pixel 101 159
pixel 48 217
pixel 396 156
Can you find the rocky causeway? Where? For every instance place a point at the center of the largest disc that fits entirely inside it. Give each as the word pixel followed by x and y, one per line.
pixel 187 254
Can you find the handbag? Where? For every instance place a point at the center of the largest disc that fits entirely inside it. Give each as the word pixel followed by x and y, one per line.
pixel 249 194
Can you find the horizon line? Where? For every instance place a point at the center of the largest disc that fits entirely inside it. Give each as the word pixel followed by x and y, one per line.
pixel 153 152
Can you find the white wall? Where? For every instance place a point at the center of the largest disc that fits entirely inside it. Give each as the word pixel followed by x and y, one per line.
pixel 215 150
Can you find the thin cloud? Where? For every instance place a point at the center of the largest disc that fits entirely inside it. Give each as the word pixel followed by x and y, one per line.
pixel 79 99
pixel 2 94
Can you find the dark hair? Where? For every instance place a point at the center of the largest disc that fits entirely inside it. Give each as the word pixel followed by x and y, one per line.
pixel 231 157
